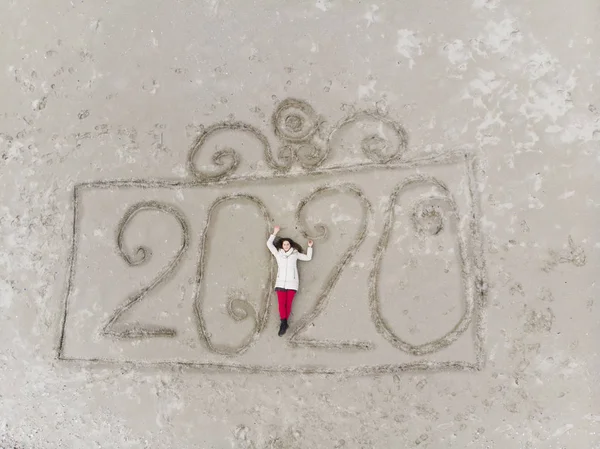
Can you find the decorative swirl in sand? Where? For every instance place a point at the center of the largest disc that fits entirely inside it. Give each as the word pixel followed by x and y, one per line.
pixel 377 145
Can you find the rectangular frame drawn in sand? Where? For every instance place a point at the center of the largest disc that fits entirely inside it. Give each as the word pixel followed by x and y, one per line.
pixel 291 121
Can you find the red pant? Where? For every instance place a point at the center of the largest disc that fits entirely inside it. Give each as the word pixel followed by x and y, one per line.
pixel 285 298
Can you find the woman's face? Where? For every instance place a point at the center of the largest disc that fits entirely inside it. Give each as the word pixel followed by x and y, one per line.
pixel 286 246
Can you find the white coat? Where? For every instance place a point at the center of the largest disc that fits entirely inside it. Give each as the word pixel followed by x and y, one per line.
pixel 287 269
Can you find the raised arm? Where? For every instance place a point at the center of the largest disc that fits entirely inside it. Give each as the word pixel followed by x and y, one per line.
pixel 271 240
pixel 308 256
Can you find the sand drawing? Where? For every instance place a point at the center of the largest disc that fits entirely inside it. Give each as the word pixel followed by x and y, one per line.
pixel 296 124
pixel 227 158
pixel 334 275
pixel 244 309
pixel 307 144
pixel 374 146
pixel 141 256
pixel 425 219
pixel 299 129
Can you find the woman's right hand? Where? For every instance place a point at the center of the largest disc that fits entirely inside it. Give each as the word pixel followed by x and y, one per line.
pixel 276 230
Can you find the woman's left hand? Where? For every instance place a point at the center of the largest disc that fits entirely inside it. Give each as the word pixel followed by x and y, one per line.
pixel 310 243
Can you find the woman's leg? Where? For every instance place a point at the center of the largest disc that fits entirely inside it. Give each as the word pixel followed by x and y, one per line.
pixel 289 299
pixel 282 300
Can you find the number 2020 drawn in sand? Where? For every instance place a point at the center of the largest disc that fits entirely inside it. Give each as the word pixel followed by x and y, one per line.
pixel 175 272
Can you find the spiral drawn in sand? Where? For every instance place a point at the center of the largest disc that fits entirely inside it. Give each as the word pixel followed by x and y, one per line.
pixel 229 158
pixel 310 155
pixel 294 120
pixel 426 218
pixel 427 215
pixel 384 141
pixel 237 307
pixel 141 255
pixel 335 273
pixel 295 123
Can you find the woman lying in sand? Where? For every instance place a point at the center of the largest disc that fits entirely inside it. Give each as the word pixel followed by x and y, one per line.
pixel 287 252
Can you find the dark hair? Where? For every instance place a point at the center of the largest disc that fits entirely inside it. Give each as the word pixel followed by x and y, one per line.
pixel 279 244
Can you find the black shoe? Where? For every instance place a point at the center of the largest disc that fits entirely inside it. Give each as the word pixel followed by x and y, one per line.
pixel 282 327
